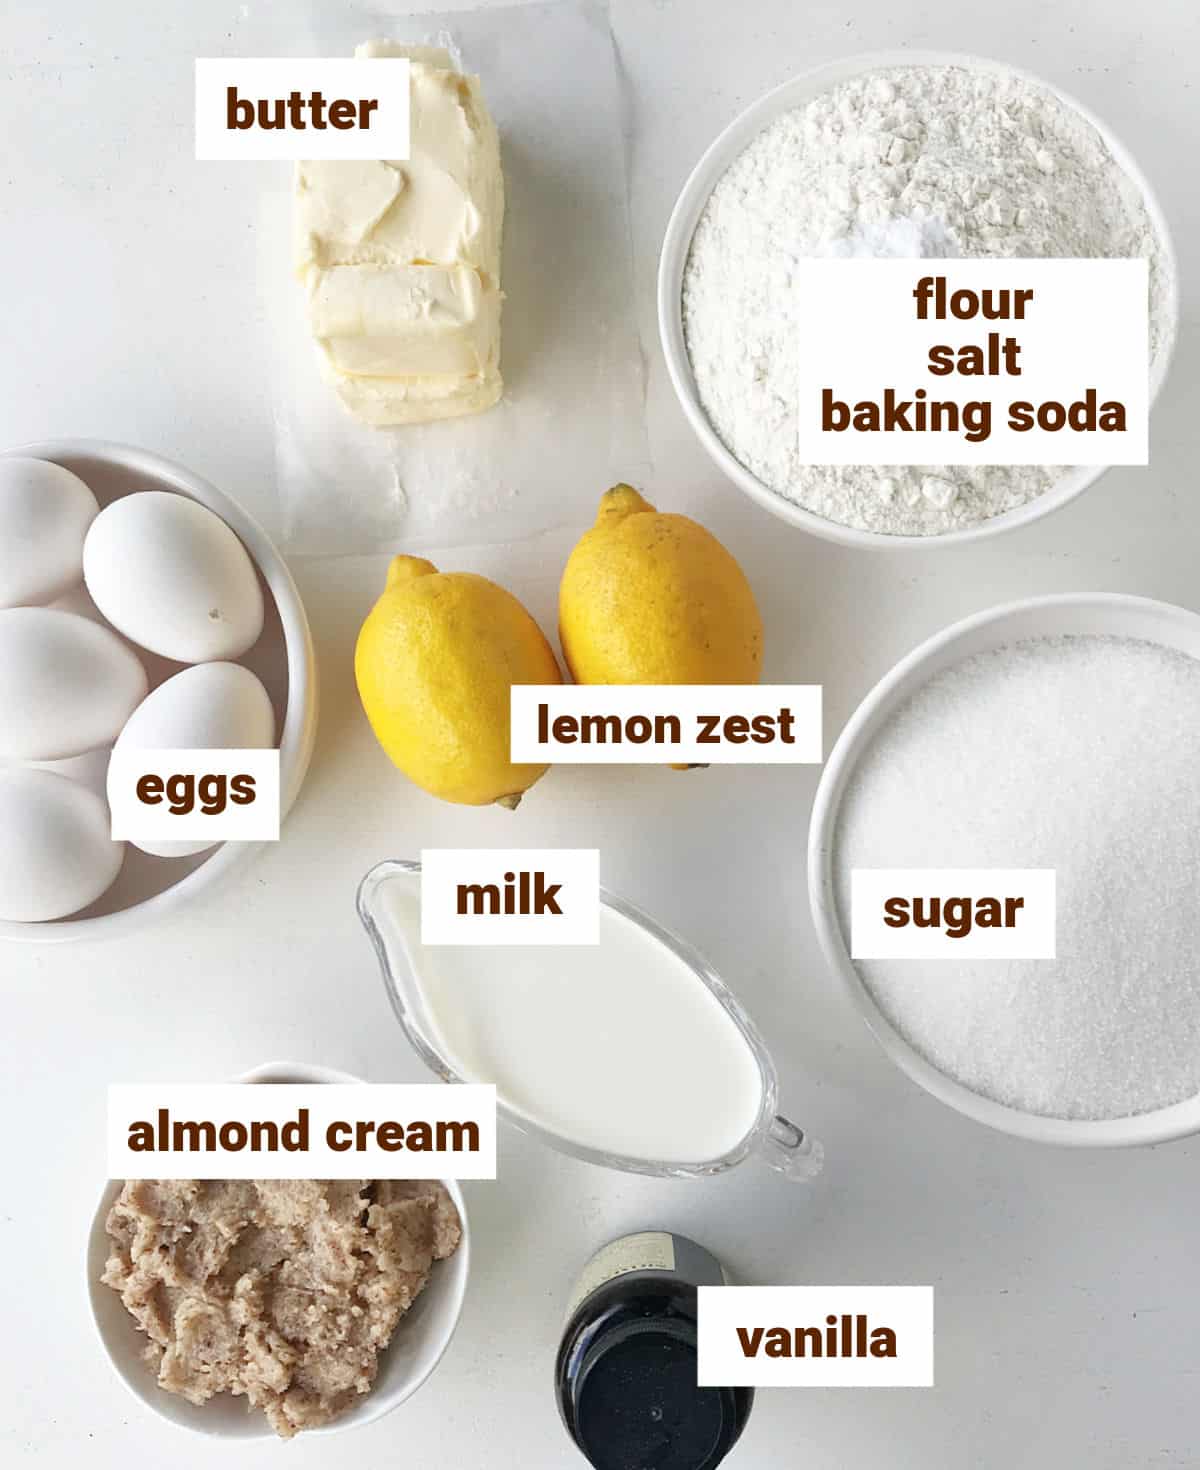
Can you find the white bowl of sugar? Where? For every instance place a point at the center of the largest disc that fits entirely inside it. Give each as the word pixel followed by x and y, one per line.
pixel 727 346
pixel 1053 733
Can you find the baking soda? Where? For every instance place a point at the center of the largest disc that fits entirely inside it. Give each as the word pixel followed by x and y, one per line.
pixel 912 162
pixel 1074 753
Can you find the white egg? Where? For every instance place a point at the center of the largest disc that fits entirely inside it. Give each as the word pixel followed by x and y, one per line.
pixel 56 854
pixel 67 684
pixel 210 707
pixel 171 575
pixel 45 512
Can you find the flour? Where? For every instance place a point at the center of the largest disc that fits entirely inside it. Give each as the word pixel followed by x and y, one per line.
pixel 922 161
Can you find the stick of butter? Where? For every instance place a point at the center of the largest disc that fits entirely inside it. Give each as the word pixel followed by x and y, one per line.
pixel 400 259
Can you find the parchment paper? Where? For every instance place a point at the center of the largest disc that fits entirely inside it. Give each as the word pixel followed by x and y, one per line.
pixel 572 418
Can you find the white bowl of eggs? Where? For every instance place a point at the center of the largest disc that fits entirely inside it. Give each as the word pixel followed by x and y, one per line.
pixel 139 607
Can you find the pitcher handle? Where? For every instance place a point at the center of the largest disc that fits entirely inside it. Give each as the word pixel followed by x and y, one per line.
pixel 790 1151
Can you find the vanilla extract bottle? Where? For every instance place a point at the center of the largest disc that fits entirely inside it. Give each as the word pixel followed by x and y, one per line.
pixel 626 1369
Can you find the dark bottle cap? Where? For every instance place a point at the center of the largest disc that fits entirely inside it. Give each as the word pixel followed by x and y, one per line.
pixel 637 1405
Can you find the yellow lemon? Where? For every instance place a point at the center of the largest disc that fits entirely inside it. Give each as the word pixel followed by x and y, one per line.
pixel 435 661
pixel 651 598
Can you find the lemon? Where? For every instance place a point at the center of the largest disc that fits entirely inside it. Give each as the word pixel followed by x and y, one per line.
pixel 435 661
pixel 652 598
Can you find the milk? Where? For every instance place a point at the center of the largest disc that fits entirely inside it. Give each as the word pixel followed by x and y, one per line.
pixel 617 1047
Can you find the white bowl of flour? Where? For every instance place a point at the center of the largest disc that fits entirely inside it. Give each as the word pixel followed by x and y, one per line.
pixel 900 154
pixel 1058 732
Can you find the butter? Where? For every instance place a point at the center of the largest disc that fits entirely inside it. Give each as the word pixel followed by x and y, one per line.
pixel 400 259
pixel 386 402
pixel 405 321
pixel 338 206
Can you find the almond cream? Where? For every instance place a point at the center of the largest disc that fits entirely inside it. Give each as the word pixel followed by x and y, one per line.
pixel 284 1291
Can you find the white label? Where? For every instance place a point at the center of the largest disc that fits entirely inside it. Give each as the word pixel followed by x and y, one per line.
pixel 422 1130
pixel 815 1337
pixel 953 913
pixel 649 724
pixel 1075 332
pixel 648 1250
pixel 262 108
pixel 194 795
pixel 510 895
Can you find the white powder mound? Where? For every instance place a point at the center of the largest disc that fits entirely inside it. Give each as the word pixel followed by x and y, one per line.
pixel 921 161
pixel 1077 754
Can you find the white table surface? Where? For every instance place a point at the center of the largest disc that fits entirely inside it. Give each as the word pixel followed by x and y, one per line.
pixel 1066 1283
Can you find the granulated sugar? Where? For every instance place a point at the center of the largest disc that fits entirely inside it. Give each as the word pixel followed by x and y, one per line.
pixel 1078 754
pixel 920 161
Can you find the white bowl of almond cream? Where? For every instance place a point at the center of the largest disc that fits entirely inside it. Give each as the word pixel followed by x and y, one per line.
pixel 206 1268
